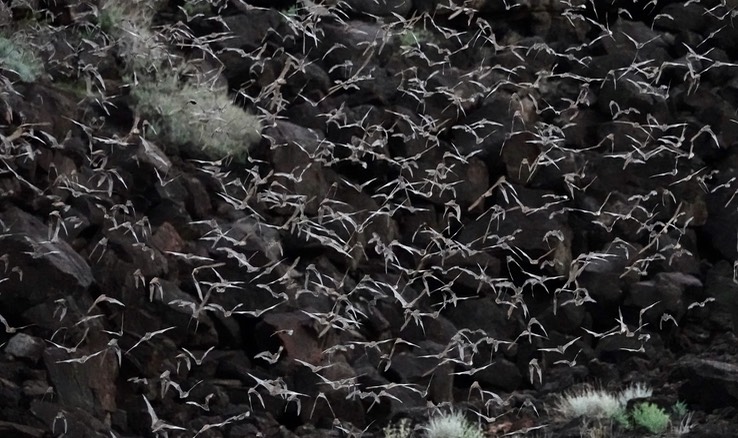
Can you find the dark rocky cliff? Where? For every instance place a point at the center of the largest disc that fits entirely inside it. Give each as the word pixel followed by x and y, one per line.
pixel 241 218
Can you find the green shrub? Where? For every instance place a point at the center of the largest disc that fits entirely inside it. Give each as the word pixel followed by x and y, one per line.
pixel 108 18
pixel 185 114
pixel 599 404
pixel 181 113
pixel 18 57
pixel 622 419
pixel 195 7
pixel 651 417
pixel 417 35
pixel 680 409
pixel 598 408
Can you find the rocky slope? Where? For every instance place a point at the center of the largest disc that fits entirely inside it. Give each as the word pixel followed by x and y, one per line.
pixel 479 204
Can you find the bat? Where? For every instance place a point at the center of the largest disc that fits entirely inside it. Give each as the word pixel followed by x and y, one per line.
pixel 148 336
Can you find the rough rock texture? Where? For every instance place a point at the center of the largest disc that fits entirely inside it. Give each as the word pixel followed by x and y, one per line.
pixel 479 204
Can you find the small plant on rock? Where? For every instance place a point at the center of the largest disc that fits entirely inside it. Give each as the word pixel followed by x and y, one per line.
pixel 451 425
pixel 680 409
pixel 622 419
pixel 685 425
pixel 600 410
pixel 650 417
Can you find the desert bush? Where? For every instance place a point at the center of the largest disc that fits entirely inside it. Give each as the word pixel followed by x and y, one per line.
pixel 599 410
pixel 650 417
pixel 186 114
pixel 181 110
pixel 589 403
pixel 596 403
pixel 17 56
pixel 680 409
pixel 451 425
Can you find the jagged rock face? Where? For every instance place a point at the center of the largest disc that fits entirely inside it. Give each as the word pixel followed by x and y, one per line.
pixel 478 204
